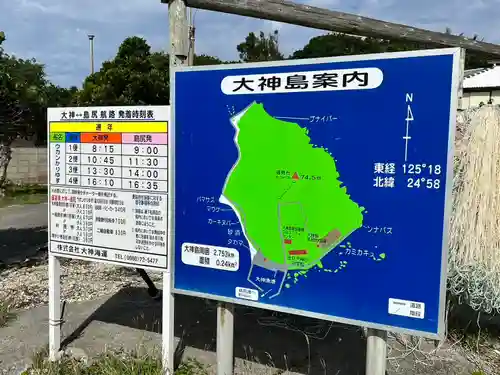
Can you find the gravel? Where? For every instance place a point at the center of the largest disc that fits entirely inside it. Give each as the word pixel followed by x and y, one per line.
pixel 27 287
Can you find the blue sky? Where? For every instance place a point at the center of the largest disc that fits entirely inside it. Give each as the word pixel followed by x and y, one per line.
pixel 55 31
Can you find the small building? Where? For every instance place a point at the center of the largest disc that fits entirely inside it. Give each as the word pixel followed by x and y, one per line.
pixel 481 86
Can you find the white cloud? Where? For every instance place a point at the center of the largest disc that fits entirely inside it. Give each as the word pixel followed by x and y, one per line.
pixel 55 31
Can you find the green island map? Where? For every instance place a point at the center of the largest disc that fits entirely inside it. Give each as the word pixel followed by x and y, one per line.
pixel 287 194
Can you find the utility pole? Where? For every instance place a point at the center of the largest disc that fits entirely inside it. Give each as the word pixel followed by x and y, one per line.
pixel 91 40
pixel 191 32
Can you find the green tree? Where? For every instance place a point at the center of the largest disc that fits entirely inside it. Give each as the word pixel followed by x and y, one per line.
pixel 22 103
pixel 260 48
pixel 135 76
pixel 338 44
pixel 57 96
pixel 207 60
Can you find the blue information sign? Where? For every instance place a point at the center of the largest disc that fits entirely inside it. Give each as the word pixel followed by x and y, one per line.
pixel 317 187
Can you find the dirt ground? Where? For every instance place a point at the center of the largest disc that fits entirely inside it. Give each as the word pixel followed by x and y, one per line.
pixel 266 343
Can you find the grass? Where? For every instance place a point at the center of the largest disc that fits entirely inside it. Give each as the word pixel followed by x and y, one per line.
pixel 21 200
pixel 481 350
pixel 110 363
pixel 23 194
pixel 477 334
pixel 5 314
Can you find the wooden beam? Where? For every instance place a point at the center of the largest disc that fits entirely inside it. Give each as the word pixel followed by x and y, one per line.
pixel 324 19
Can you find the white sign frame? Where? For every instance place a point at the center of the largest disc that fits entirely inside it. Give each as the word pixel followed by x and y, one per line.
pixel 55 318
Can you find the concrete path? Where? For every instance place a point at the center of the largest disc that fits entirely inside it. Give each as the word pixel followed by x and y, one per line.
pixel 24 216
pixel 131 320
pixel 23 230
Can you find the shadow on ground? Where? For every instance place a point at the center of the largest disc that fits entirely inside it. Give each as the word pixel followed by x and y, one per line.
pixel 16 245
pixel 258 336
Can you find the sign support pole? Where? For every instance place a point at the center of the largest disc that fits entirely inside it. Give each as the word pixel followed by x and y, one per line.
pixel 54 307
pixel 178 23
pixel 376 352
pixel 168 307
pixel 225 338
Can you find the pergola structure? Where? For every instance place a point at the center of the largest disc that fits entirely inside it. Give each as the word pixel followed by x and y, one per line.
pixel 317 18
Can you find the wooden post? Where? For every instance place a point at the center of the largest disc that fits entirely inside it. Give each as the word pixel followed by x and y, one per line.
pixel 177 16
pixel 191 45
pixel 178 57
pixel 460 103
pixel 191 37
pixel 376 352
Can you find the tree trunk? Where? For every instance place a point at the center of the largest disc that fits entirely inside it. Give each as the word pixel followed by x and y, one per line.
pixel 5 157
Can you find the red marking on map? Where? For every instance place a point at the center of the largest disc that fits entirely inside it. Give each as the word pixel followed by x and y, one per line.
pixel 295 176
pixel 297 252
pixel 288 242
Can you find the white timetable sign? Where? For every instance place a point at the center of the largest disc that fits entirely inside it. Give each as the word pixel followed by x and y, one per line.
pixel 108 184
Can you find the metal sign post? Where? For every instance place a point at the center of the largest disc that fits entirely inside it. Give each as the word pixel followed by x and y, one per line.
pixel 54 307
pixel 225 338
pixel 376 352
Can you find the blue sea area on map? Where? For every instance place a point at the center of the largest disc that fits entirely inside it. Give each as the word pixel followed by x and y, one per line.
pixel 397 254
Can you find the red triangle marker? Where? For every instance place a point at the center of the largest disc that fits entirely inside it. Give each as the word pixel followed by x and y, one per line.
pixel 295 176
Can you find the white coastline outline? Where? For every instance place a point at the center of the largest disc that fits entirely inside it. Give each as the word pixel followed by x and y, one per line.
pixel 223 199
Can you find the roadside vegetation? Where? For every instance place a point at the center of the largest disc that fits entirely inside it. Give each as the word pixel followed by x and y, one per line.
pixel 23 194
pixel 6 315
pixel 109 363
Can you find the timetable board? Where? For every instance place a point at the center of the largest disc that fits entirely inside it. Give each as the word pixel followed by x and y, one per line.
pixel 108 184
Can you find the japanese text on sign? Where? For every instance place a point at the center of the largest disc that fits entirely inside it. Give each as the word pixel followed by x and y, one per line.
pixel 121 113
pixel 331 80
pixel 221 258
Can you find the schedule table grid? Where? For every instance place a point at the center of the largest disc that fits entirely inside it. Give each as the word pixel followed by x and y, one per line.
pixel 110 160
